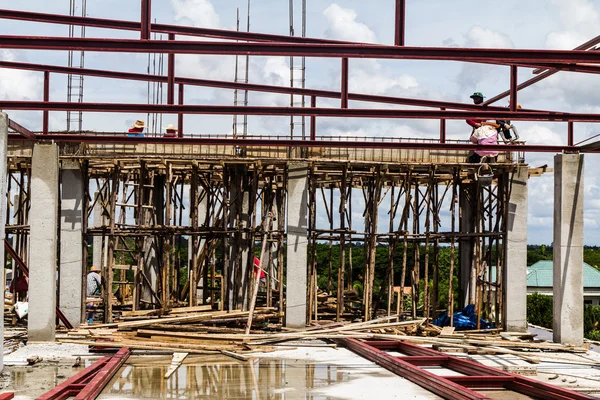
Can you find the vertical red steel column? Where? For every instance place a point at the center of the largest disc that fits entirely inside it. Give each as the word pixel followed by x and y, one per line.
pixel 171 75
pixel 180 115
pixel 344 83
pixel 400 19
pixel 146 19
pixel 442 128
pixel 313 119
pixel 513 88
pixel 570 138
pixel 46 99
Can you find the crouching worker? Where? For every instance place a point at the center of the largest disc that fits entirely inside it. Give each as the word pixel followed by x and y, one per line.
pixel 486 133
pixel 94 290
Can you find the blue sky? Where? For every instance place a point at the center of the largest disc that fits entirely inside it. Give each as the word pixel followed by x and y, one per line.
pixel 555 24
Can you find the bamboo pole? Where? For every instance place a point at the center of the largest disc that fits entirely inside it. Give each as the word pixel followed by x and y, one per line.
pixel 266 228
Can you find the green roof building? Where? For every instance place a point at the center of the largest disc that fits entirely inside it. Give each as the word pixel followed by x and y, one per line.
pixel 539 279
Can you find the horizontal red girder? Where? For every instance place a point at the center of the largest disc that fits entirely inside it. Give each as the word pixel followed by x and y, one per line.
pixel 241 86
pixel 294 49
pixel 298 111
pixel 248 142
pixel 160 28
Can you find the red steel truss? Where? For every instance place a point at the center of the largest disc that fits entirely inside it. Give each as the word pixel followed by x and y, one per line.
pixel 87 384
pixel 548 62
pixel 469 375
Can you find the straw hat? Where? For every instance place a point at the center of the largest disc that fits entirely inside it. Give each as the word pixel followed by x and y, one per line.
pixel 171 127
pixel 94 269
pixel 139 124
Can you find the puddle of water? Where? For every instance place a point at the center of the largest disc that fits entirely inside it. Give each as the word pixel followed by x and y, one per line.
pixel 31 382
pixel 216 377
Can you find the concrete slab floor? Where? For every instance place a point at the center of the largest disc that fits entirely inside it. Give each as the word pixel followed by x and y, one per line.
pixel 300 372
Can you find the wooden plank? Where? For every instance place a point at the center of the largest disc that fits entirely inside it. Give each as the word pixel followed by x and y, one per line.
pixel 181 310
pixel 175 363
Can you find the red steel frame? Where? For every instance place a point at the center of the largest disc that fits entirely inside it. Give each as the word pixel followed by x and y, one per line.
pixel 547 61
pixel 87 384
pixel 474 375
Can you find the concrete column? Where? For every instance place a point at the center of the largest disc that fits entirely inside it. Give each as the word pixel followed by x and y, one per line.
pixel 71 255
pixel 466 224
pixel 3 188
pixel 297 242
pixel 568 249
pixel 43 217
pixel 515 269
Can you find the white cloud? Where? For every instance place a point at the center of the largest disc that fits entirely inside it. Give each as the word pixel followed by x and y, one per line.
pixel 343 25
pixel 483 37
pixel 18 84
pixel 199 13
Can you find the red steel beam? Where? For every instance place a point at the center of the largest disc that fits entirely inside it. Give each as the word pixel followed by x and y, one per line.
pixel 46 99
pixel 63 391
pixel 244 86
pixel 473 382
pixel 146 19
pixel 249 142
pixel 400 23
pixel 21 129
pixel 161 28
pixel 434 383
pixel 313 119
pixel 101 379
pixel 442 128
pixel 513 88
pixel 180 115
pixel 344 86
pixel 543 75
pixel 570 134
pixel 296 111
pixel 171 75
pixel 7 396
pixel 349 50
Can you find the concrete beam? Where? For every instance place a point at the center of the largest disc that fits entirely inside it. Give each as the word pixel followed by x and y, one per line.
pixel 71 269
pixel 567 323
pixel 515 269
pixel 297 243
pixel 43 217
pixel 3 188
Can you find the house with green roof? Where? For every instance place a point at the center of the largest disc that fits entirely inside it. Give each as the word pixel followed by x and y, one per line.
pixel 539 279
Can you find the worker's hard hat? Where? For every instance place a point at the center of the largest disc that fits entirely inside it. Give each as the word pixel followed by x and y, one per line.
pixel 94 269
pixel 171 127
pixel 477 94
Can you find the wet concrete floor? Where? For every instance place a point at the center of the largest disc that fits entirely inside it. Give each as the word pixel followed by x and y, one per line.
pixel 31 382
pixel 218 377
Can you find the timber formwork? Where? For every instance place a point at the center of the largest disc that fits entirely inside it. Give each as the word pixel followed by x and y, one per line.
pixel 147 203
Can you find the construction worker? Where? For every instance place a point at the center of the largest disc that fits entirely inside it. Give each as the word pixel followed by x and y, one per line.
pixel 137 129
pixel 94 289
pixel 483 133
pixel 171 131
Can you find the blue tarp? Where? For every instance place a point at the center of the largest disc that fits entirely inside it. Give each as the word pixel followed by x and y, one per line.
pixel 464 320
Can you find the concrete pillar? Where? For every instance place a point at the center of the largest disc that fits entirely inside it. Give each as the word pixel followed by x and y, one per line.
pixel 43 217
pixel 515 269
pixel 3 188
pixel 71 267
pixel 567 291
pixel 466 224
pixel 297 243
